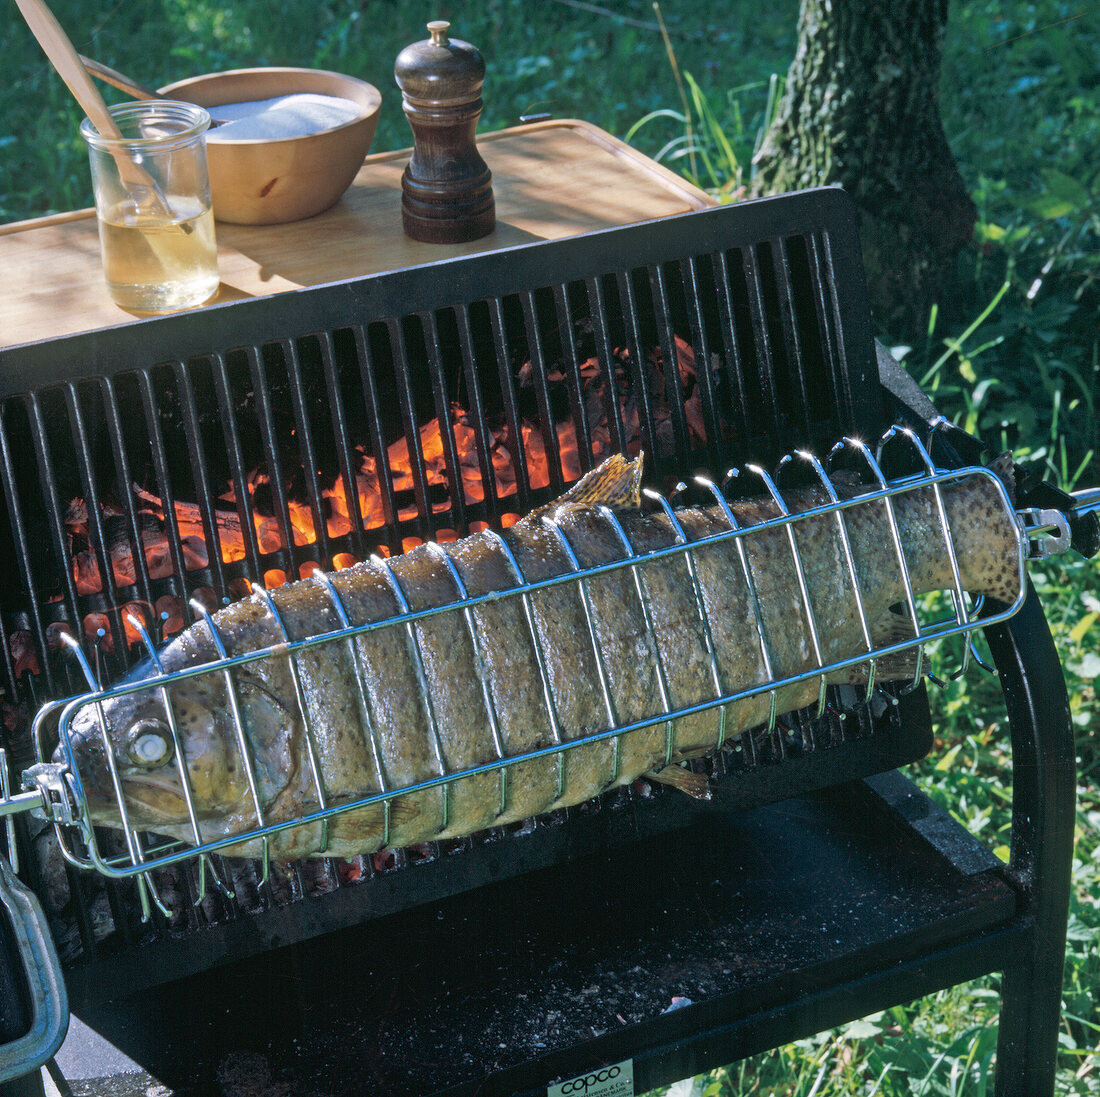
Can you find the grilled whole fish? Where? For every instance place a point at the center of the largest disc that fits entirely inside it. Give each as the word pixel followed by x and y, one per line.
pixel 402 703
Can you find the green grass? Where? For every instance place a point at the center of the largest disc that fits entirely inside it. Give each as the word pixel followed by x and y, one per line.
pixel 1012 351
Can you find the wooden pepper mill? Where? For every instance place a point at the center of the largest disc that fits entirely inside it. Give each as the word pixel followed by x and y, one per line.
pixel 446 188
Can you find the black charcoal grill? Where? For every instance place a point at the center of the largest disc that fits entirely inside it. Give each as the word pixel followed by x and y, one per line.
pixel 154 470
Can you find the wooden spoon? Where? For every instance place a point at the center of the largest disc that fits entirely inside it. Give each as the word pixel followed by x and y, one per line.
pixel 64 58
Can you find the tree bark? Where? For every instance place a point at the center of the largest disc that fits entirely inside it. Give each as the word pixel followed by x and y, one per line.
pixel 861 109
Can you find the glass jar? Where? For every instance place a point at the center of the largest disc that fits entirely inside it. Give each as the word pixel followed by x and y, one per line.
pixel 152 196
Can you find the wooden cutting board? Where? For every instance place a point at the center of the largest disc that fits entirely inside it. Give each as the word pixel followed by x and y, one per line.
pixel 550 179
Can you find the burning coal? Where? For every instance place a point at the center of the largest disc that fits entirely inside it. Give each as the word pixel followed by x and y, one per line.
pixel 234 522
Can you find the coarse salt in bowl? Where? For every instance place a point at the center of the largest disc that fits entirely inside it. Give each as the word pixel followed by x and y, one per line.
pixel 282 116
pixel 293 142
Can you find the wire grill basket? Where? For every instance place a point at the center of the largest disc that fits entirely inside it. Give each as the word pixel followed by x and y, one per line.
pixel 63 784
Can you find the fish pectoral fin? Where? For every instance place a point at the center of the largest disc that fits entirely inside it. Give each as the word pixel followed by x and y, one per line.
pixel 695 785
pixel 404 809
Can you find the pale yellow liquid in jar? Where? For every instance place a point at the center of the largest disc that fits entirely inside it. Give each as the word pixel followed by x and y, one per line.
pixel 156 265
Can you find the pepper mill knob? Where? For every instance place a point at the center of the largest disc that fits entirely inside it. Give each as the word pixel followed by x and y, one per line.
pixel 446 188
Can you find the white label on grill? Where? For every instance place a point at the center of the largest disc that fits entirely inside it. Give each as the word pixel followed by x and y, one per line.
pixel 612 1081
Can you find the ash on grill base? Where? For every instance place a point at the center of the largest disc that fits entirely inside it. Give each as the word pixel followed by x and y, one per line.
pixel 770 293
pixel 800 753
pixel 733 913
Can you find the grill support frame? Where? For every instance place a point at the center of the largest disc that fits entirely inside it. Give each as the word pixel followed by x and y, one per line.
pixel 1025 918
pixel 1040 865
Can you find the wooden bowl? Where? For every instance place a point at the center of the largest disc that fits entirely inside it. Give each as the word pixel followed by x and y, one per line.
pixel 267 181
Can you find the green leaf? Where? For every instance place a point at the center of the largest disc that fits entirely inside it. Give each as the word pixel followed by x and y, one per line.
pixel 1062 196
pixel 1088 667
pixel 1049 207
pixel 862 1030
pixel 1077 634
pixel 948 760
pixel 1065 186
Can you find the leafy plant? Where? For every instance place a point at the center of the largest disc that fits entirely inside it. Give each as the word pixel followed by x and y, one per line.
pixel 713 149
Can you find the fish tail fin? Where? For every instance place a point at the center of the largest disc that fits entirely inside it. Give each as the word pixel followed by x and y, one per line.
pixel 1004 468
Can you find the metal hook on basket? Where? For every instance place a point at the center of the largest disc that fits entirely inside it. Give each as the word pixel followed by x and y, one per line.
pixel 750 583
pixel 436 550
pixel 879 477
pixel 540 657
pixel 700 603
pixel 551 522
pixel 147 888
pixel 663 692
pixel 207 867
pixel 675 491
pixel 434 736
pixel 77 650
pixel 139 627
pixel 849 559
pixel 312 753
pixel 800 573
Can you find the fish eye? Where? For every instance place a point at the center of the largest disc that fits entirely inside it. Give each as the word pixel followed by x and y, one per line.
pixel 149 744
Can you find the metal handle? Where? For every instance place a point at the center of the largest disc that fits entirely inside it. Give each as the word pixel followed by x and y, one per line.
pixel 1086 501
pixel 1056 529
pixel 27 938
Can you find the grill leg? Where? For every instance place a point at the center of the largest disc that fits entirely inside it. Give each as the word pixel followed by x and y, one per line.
pixel 1043 791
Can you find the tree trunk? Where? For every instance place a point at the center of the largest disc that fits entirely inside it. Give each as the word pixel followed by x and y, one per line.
pixel 860 109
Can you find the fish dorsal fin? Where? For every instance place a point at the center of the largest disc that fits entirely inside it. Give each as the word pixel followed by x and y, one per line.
pixel 615 483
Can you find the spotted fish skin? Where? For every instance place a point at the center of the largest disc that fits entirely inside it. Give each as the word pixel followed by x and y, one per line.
pixel 458 689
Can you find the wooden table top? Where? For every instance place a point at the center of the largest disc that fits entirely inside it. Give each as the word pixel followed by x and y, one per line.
pixel 550 180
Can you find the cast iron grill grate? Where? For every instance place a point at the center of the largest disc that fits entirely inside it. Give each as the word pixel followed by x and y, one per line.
pixel 180 459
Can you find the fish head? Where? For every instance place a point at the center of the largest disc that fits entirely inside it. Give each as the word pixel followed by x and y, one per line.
pixel 169 751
